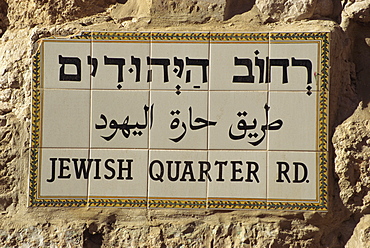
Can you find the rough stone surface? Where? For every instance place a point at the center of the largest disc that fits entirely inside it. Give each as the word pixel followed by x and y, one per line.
pixel 23 14
pixel 346 224
pixel 357 10
pixel 352 144
pixel 198 11
pixel 287 10
pixel 361 235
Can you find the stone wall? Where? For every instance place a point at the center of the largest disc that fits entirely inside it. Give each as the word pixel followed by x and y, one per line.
pixel 346 224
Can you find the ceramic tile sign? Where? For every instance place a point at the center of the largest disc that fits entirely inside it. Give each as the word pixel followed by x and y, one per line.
pixel 197 120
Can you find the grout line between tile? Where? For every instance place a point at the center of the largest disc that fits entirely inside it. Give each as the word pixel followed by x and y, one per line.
pixel 208 115
pixel 268 136
pixel 149 132
pixel 90 129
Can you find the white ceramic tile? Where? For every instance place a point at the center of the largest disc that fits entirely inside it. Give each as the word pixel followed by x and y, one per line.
pixel 121 64
pixel 299 60
pixel 240 117
pixel 238 65
pixel 58 175
pixel 166 182
pixel 237 175
pixel 298 112
pixel 118 174
pixel 65 118
pixel 186 61
pixel 292 176
pixel 180 121
pixel 65 64
pixel 120 119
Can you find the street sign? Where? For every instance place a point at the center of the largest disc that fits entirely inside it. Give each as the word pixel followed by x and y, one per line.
pixel 181 120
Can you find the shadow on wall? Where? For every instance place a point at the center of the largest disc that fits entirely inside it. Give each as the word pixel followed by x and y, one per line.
pixel 92 239
pixel 4 22
pixel 236 7
pixel 361 58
